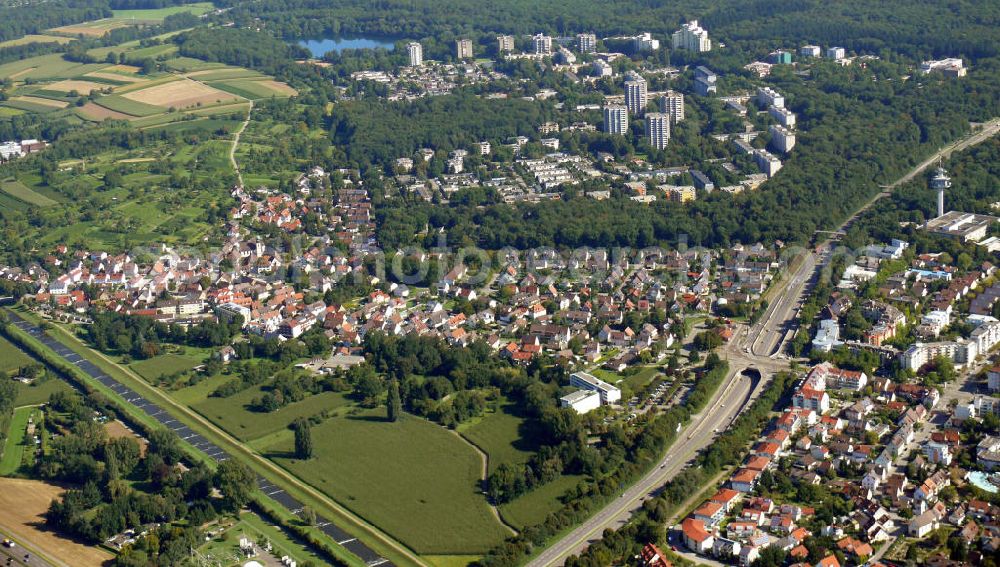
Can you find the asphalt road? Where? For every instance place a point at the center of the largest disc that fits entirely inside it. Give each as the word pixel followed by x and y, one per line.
pixel 159 414
pixel 15 556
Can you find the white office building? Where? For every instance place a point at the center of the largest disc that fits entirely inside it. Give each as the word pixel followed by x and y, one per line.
pixel 582 401
pixel 609 394
pixel 672 103
pixel 691 37
pixel 586 43
pixel 416 53
pixel 635 94
pixel 616 119
pixel 542 44
pixel 658 129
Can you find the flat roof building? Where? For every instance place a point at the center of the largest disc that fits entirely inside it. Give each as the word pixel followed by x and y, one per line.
pixel 609 394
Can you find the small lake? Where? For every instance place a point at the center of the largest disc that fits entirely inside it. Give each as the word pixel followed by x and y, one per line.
pixel 322 46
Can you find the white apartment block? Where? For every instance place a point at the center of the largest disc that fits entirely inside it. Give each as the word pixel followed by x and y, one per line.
pixel 836 53
pixel 542 44
pixel 416 54
pixel 658 129
pixel 672 103
pixel 952 67
pixel 810 51
pixel 784 116
pixel 691 37
pixel 766 96
pixel 586 43
pixel 463 49
pixel 782 139
pixel 602 68
pixel 768 163
pixel 635 95
pixel 505 43
pixel 616 119
pixel 645 42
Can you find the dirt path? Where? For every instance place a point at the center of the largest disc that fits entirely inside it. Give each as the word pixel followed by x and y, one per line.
pixel 486 471
pixel 236 142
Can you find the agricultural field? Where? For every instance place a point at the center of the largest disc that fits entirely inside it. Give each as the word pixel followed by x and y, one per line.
pixel 380 471
pixel 24 503
pixel 96 28
pixel 254 89
pixel 34 38
pixel 156 15
pixel 180 94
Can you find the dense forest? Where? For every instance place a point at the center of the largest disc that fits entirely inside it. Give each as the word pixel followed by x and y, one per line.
pixel 16 21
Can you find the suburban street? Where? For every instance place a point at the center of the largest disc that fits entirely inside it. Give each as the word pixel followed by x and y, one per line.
pixel 757 346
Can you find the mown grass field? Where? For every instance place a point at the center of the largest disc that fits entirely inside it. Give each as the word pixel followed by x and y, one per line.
pixel 38 392
pixel 234 415
pixel 119 103
pixel 14 446
pixel 163 365
pixel 503 435
pixel 412 478
pixel 34 38
pixel 532 508
pixel 11 357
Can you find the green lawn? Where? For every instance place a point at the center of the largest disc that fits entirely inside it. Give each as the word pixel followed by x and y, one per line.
pixel 225 547
pixel 14 446
pixel 412 478
pixel 504 436
pixel 233 415
pixel 162 365
pixel 532 508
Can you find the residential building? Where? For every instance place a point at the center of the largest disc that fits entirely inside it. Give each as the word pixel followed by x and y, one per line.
pixel 635 94
pixel 704 81
pixel 542 44
pixel 658 129
pixel 696 537
pixel 780 57
pixel 835 53
pixel 601 68
pixel 768 163
pixel 672 103
pixel 616 119
pixel 952 67
pixel 586 43
pixel 766 97
pixel 782 139
pixel 691 37
pixel 463 49
pixel 505 43
pixel 810 51
pixel 645 42
pixel 416 54
pixel 784 116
